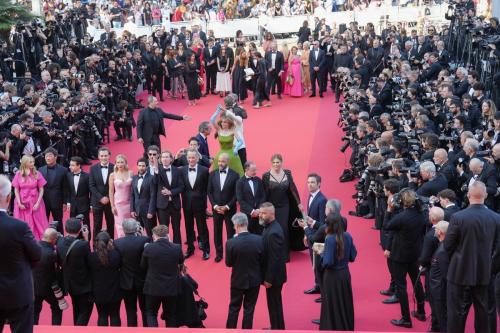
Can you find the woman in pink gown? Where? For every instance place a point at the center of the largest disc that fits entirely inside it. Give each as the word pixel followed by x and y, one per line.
pixel 120 182
pixel 28 204
pixel 294 69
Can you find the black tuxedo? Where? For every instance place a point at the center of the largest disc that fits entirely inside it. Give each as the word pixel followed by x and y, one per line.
pixel 150 126
pixel 53 192
pixel 20 252
pixel 449 211
pixel 203 149
pixel 431 73
pixel 222 198
pixel 182 161
pixel 98 190
pixel 489 178
pixel 320 62
pixel 274 271
pixel 169 207
pixel 244 253
pixel 194 204
pixel 385 96
pixel 273 75
pixel 211 70
pixel 142 203
pixel 250 201
pixel 316 209
pixel 472 243
pixel 461 87
pixel 132 276
pixel 161 260
pixel 79 202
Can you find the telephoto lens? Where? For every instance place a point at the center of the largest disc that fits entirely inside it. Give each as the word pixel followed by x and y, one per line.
pixel 63 305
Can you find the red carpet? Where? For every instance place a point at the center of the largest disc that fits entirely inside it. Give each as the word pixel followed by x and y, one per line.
pixel 304 131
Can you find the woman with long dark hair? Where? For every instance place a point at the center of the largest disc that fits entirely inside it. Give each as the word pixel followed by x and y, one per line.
pixel 104 265
pixel 337 308
pixel 192 74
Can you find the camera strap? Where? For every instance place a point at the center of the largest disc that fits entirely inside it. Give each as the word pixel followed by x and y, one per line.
pixel 69 250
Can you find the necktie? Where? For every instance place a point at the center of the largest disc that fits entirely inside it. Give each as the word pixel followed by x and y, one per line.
pixel 192 169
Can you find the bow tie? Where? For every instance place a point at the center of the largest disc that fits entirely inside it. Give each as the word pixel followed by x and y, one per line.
pixel 223 171
pixel 249 178
pixel 192 169
pixel 76 174
pixel 141 177
pixel 167 169
pixel 104 167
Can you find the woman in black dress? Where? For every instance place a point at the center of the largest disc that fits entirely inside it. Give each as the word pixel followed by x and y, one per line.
pixel 337 308
pixel 260 83
pixel 282 193
pixel 239 76
pixel 175 69
pixel 104 265
pixel 193 87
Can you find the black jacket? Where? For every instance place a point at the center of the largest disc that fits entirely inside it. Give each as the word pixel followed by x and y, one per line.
pixel 98 188
pixel 79 201
pixel 195 198
pixel 143 202
pixel 246 199
pixel 226 196
pixel 278 63
pixel 105 279
pixel 53 191
pixel 130 248
pixel 431 187
pixel 145 122
pixel 274 254
pixel 438 272
pixel 75 267
pixel 316 210
pixel 45 272
pixel 429 246
pixel 244 253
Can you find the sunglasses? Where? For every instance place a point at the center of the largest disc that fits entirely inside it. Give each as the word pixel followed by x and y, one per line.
pixel 152 154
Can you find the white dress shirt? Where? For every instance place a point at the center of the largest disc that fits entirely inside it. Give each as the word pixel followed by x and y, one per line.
pixel 139 183
pixel 273 60
pixel 76 180
pixel 311 198
pixel 104 173
pixel 192 175
pixel 250 182
pixel 223 176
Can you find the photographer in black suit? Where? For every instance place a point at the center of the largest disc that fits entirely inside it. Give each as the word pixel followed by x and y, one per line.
pixel 73 252
pixel 244 253
pixel 161 260
pixel 168 186
pixel 78 191
pixel 473 246
pixel 222 194
pixel 250 194
pixel 274 264
pixel 431 183
pixel 20 252
pixel 132 276
pixel 53 191
pixel 142 203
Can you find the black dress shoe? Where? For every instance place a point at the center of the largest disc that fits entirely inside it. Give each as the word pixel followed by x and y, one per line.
pixel 162 100
pixel 279 96
pixel 313 290
pixel 401 323
pixel 391 300
pixel 320 95
pixel 318 300
pixel 118 138
pixel 130 139
pixel 188 254
pixel 206 256
pixel 315 321
pixel 387 292
pixel 313 95
pixel 218 258
pixel 369 216
pixel 418 315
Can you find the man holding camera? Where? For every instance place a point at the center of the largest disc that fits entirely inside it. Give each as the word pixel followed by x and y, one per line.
pixel 431 182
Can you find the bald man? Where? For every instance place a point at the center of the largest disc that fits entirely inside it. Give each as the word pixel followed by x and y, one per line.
pixel 443 167
pixel 482 171
pixel 473 246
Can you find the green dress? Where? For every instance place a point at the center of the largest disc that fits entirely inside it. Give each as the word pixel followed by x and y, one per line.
pixel 226 146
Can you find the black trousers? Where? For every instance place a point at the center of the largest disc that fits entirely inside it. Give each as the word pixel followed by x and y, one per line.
pixel 275 307
pixel 219 220
pixel 315 77
pixel 456 299
pixel 171 215
pixel 201 226
pixel 123 128
pixel 108 314
pixel 54 308
pixel 147 224
pixel 273 82
pixel 247 297
pixel 438 308
pixel 157 85
pixel 56 209
pixel 82 309
pixel 104 211
pixel 19 319
pixel 399 271
pixel 260 92
pixel 155 140
pixel 169 307
pixel 130 298
pixel 242 153
pixel 211 81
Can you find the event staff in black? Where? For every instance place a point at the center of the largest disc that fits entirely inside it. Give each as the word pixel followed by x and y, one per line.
pixel 157 70
pixel 99 189
pixel 53 191
pixel 408 229
pixel 168 186
pixel 45 276
pixel 274 65
pixel 473 246
pixel 250 195
pixel 194 203
pixel 132 276
pixel 150 124
pixel 142 203
pixel 104 265
pixel 274 264
pixel 316 68
pixel 20 252
pixel 210 60
pixel 342 59
pixel 222 194
pixel 161 260
pixel 244 253
pixel 73 252
pixel 78 190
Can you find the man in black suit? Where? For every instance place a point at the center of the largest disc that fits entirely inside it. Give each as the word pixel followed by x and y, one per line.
pixel 168 186
pixel 210 59
pixel 250 195
pixel 73 252
pixel 157 70
pixel 142 203
pixel 473 246
pixel 132 276
pixel 150 124
pixel 222 194
pixel 99 188
pixel 384 93
pixel 204 131
pixel 432 182
pixel 162 260
pixel 484 172
pixel 342 60
pixel 244 253
pixel 275 66
pixel 316 68
pixel 45 276
pixel 274 264
pixel 20 252
pixel 431 73
pixel 53 191
pixel 447 200
pixel 194 202
pixel 78 191
pixel 194 143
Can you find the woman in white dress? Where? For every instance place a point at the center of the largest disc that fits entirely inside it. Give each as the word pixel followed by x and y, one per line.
pixel 223 85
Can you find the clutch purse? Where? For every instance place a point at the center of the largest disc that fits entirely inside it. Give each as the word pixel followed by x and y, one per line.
pixel 318 248
pixel 200 80
pixel 290 79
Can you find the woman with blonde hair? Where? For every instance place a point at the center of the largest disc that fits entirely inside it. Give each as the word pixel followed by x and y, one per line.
pixel 286 55
pixel 120 182
pixel 28 189
pixel 305 74
pixel 488 110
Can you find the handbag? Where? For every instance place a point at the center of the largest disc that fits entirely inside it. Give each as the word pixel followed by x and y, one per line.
pixel 290 79
pixel 200 80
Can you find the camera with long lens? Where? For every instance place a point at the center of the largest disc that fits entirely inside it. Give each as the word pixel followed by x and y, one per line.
pixel 59 295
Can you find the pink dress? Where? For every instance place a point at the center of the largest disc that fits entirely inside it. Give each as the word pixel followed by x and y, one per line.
pixel 122 203
pixel 28 188
pixel 295 90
